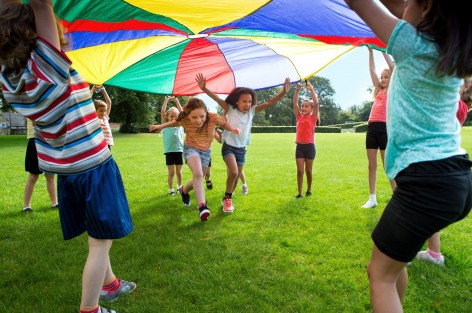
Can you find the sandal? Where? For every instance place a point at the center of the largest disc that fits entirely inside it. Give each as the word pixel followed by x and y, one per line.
pixel 209 184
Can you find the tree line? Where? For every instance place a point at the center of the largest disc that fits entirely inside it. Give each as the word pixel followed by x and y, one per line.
pixel 135 110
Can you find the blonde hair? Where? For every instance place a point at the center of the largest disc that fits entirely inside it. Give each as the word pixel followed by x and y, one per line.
pixel 377 88
pixel 171 110
pixel 312 104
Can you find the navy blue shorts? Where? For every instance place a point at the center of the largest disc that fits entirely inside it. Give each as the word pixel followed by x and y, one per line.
pixel 239 153
pixel 429 196
pixel 94 201
pixel 174 158
pixel 305 151
pixel 376 136
pixel 31 158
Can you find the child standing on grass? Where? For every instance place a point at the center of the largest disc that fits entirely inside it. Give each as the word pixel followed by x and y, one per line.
pixel 38 82
pixel 431 49
pixel 103 109
pixel 376 136
pixel 31 166
pixel 240 107
pixel 173 144
pixel 199 125
pixel 305 153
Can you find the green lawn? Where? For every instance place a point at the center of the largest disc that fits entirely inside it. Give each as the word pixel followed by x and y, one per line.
pixel 273 254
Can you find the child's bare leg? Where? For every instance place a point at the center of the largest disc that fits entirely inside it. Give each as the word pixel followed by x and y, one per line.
pixel 178 173
pixel 388 280
pixel 95 270
pixel 29 188
pixel 393 183
pixel 233 173
pixel 309 173
pixel 195 165
pixel 51 186
pixel 170 176
pixel 434 243
pixel 240 170
pixel 300 169
pixel 372 159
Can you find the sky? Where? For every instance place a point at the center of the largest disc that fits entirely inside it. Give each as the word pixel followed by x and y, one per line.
pixel 349 76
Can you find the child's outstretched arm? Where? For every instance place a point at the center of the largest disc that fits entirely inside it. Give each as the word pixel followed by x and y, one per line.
pixel 45 21
pixel 164 109
pixel 274 100
pixel 389 61
pixel 158 128
pixel 107 98
pixel 201 81
pixel 372 70
pixel 218 134
pixel 380 21
pixel 314 97
pixel 296 109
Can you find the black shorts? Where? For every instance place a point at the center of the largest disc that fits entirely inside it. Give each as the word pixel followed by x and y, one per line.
pixel 376 136
pixel 429 196
pixel 174 158
pixel 305 151
pixel 31 158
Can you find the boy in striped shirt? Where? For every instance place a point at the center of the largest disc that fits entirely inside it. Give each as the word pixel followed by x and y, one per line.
pixel 39 82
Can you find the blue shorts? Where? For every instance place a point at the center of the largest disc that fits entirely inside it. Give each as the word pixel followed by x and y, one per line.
pixel 94 201
pixel 305 151
pixel 205 156
pixel 429 197
pixel 238 153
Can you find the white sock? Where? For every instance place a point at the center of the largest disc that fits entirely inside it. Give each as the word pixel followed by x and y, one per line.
pixel 171 190
pixel 373 198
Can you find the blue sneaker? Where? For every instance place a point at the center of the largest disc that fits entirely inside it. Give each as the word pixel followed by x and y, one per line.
pixel 204 212
pixel 125 288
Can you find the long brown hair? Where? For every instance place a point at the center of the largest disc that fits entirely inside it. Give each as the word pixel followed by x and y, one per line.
pixel 18 35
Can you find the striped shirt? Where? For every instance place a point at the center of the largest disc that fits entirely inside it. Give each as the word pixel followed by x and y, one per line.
pixel 106 129
pixel 55 97
pixel 197 137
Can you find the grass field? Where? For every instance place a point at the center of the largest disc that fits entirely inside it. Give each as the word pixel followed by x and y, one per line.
pixel 273 254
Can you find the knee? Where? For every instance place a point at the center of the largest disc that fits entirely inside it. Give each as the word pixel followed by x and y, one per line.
pixel 299 172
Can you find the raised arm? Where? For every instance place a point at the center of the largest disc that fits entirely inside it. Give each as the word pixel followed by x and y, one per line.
pixel 274 100
pixel 107 99
pixel 380 21
pixel 164 109
pixel 177 103
pixel 296 109
pixel 373 73
pixel 389 61
pixel 201 81
pixel 45 21
pixel 314 97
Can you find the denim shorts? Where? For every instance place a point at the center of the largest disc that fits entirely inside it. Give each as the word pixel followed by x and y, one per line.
pixel 238 153
pixel 205 156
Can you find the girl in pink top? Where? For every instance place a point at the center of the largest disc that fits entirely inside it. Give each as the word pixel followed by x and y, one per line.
pixel 306 117
pixel 103 109
pixel 376 137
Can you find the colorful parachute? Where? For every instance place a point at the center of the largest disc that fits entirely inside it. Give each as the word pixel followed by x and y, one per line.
pixel 159 46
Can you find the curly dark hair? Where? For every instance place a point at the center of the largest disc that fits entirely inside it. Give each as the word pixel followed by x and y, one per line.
pixel 234 95
pixel 448 23
pixel 18 35
pixel 193 104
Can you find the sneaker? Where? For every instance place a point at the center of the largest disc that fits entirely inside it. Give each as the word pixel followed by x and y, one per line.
pixel 245 190
pixel 209 184
pixel 204 212
pixel 424 256
pixel 185 197
pixel 55 206
pixel 172 193
pixel 369 204
pixel 308 193
pixel 299 196
pixel 227 204
pixel 27 210
pixel 125 288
